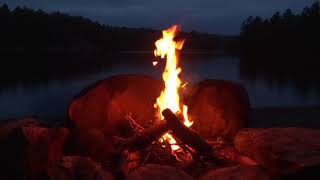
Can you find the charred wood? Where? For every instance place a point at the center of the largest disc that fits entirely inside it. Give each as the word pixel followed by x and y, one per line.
pixel 187 135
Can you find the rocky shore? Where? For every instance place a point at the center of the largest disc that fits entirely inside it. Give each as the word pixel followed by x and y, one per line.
pixel 84 148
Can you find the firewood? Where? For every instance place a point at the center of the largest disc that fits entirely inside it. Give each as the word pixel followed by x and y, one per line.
pixel 143 139
pixel 187 135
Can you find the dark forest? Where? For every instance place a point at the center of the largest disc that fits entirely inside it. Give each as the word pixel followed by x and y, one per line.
pixel 283 48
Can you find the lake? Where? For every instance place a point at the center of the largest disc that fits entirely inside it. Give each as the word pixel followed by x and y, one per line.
pixel 49 100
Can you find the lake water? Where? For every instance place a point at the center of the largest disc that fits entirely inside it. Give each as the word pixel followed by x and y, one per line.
pixel 50 100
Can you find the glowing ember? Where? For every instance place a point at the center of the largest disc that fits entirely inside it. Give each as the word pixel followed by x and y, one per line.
pixel 169 97
pixel 184 85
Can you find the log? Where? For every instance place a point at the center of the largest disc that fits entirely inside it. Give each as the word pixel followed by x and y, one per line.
pixel 187 135
pixel 144 139
pixel 172 123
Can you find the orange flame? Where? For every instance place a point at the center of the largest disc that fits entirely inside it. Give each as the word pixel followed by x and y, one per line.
pixel 169 97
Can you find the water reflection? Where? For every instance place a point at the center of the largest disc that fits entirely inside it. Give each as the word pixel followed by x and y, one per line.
pixel 301 72
pixel 49 100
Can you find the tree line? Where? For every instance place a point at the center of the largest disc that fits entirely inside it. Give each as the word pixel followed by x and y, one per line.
pixel 27 30
pixel 38 46
pixel 283 48
pixel 284 32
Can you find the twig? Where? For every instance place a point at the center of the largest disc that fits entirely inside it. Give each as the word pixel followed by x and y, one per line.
pixel 142 140
pixel 134 125
pixel 146 158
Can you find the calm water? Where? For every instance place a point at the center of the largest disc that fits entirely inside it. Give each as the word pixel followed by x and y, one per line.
pixel 50 100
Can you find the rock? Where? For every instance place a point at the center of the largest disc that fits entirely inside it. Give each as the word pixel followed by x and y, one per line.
pixel 158 172
pixel 281 150
pixel 105 105
pixel 236 173
pixel 227 154
pixel 93 143
pixel 28 150
pixel 78 168
pixel 218 108
pixel 100 110
pixel 7 126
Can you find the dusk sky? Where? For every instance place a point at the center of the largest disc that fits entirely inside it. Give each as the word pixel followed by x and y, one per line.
pixel 213 16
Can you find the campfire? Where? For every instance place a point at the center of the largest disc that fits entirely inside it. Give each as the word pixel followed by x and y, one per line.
pixel 129 121
pixel 169 139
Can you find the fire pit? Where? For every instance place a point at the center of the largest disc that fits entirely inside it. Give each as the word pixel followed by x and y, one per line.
pixel 170 139
pixel 165 134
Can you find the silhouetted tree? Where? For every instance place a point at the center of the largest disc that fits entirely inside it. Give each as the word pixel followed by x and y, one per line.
pixel 288 16
pixel 276 18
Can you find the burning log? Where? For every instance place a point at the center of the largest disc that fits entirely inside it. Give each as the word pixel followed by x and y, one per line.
pixel 187 138
pixel 144 139
pixel 187 135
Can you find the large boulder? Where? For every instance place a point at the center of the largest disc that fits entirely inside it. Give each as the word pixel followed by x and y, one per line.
pixel 78 168
pixel 281 150
pixel 99 112
pixel 104 105
pixel 29 149
pixel 158 172
pixel 236 173
pixel 218 108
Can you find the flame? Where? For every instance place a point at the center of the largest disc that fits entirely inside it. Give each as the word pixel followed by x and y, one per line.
pixel 169 97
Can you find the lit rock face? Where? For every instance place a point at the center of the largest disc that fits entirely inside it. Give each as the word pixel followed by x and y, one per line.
pixel 78 168
pixel 282 150
pixel 236 173
pixel 158 172
pixel 98 113
pixel 104 105
pixel 218 108
pixel 27 149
